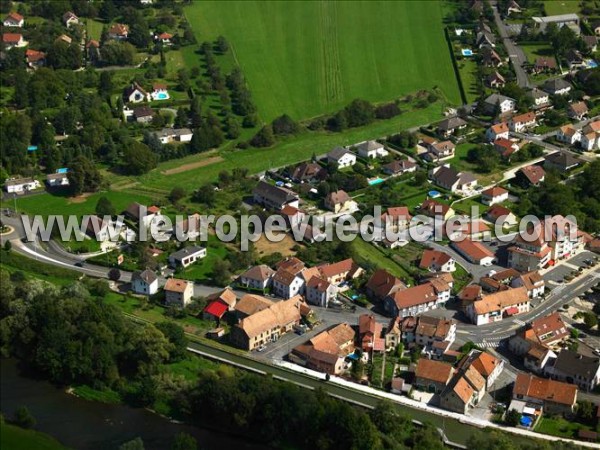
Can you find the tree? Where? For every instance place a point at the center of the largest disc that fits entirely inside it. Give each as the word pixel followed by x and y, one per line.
pixel 284 125
pixel 104 207
pixel 359 112
pixel 138 158
pixel 105 83
pixel 222 44
pixel 206 194
pixel 358 369
pixel 83 176
pixel 134 444
pixel 177 193
pixel 420 178
pixel 147 349
pixel 590 319
pixel 181 119
pixel 176 336
pixel 233 128
pixel 264 138
pixel 183 79
pixel 221 274
pixel 114 274
pixel 585 410
pixel 512 418
pixel 7 246
pixel 23 418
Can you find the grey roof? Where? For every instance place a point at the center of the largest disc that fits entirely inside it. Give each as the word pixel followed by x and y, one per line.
pixel 56 176
pixel 18 181
pixel 165 132
pixel 485 36
pixel 562 159
pixel 186 251
pixel 132 88
pixel 590 41
pixel 556 84
pixel 537 93
pixel 557 18
pixel 143 111
pixel 147 276
pixel 337 153
pixel 497 98
pixel 133 210
pixel 571 364
pixel 451 123
pixel 369 146
pixel 449 175
pixel 274 193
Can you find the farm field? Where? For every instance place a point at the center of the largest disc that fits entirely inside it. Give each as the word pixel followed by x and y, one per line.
pixel 555 7
pixel 310 58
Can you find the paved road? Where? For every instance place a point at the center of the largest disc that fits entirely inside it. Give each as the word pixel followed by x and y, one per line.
pixel 515 53
pixel 553 147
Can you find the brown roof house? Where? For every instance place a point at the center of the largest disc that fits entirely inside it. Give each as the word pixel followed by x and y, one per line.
pixel 382 284
pixel 309 172
pixel 495 80
pixel 531 175
pixel 274 197
pixel 327 351
pixel 257 277
pixel 499 212
pixel 488 366
pixel 340 271
pixel 437 261
pixel 418 299
pixel 178 292
pixel 561 161
pixel 451 179
pixel 338 201
pixel 370 334
pixel 435 209
pixel 577 110
pixel 399 167
pixel 434 334
pixel 118 31
pixel 449 126
pixel 494 195
pixel 319 291
pixel 495 307
pixel 433 376
pixel 266 325
pixel 474 252
pixel 554 396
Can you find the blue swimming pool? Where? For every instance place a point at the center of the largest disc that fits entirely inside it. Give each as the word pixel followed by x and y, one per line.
pixel 467 52
pixel 161 96
pixel 434 194
pixel 374 181
pixel 592 64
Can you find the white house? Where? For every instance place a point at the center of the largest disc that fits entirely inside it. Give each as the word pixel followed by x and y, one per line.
pixel 341 157
pixel 371 150
pixel 497 103
pixel 57 179
pixel 167 135
pixel 14 20
pixel 287 284
pixel 568 134
pixel 494 195
pixel 145 283
pixel 520 122
pixel 11 40
pixel 20 185
pixel 540 98
pixel 134 93
pixel 257 277
pixel 320 292
pixel 186 256
pixel 499 305
pixel 497 131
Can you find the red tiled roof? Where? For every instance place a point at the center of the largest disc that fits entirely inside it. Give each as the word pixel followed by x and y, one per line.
pixel 11 38
pixel 433 256
pixel 14 16
pixel 495 191
pixel 216 309
pixel 545 389
pixel 533 173
pixel 475 250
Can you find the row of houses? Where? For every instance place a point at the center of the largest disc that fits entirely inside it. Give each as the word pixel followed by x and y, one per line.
pixel 343 157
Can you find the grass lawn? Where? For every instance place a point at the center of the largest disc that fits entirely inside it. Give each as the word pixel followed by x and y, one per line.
pixel 369 254
pixel 46 204
pixel 461 278
pixel 95 395
pixel 15 438
pixel 555 7
pixel 468 75
pixel 13 262
pixel 201 271
pixel 373 50
pixel 286 152
pixel 94 29
pixel 534 51
pixel 560 427
pixel 460 158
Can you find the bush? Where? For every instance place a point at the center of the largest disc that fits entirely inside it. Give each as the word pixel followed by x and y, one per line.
pixel 23 418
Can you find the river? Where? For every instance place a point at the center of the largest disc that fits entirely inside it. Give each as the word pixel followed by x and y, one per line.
pixel 87 425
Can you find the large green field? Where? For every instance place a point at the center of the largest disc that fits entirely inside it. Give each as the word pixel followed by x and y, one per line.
pixel 555 7
pixel 310 58
pixel 15 438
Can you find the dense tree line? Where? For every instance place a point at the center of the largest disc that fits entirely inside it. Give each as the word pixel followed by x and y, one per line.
pixel 578 197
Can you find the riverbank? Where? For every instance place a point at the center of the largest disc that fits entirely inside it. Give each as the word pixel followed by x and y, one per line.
pixel 87 425
pixel 15 438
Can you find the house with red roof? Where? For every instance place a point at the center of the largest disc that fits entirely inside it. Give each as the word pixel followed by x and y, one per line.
pixel 505 147
pixel 435 209
pixel 340 271
pixel 499 130
pixel 523 121
pixel 35 58
pixel 437 261
pixel 164 38
pixel 118 31
pixel 531 175
pixel 475 252
pixel 555 397
pixel 370 334
pixel 320 292
pixel 418 299
pixel 494 195
pixel 499 212
pixel 14 20
pixel 12 40
pixel 433 376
